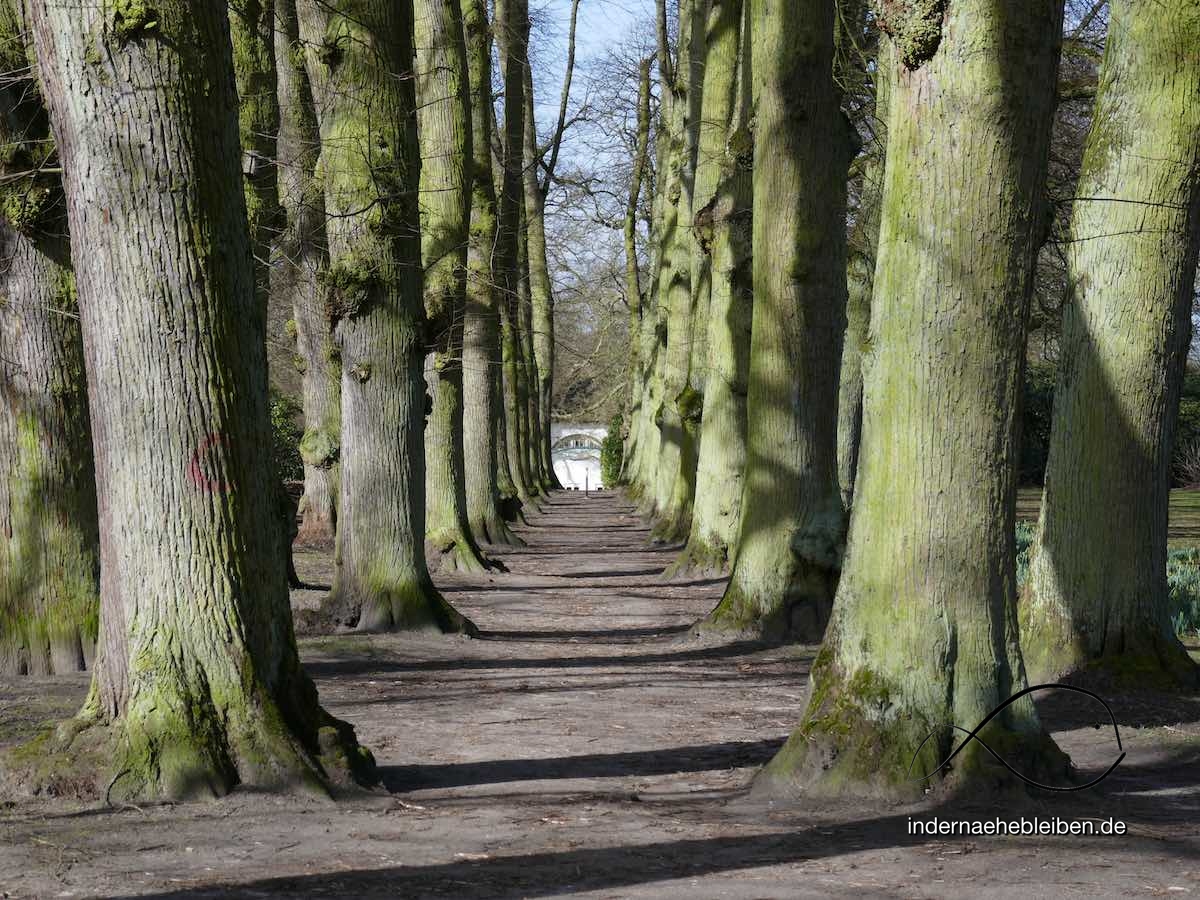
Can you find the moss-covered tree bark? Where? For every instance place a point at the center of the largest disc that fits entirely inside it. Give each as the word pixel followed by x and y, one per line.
pixel 793 523
pixel 721 272
pixel 527 373
pixel 1097 592
pixel 197 683
pixel 633 278
pixel 923 637
pixel 483 410
pixel 298 281
pixel 444 127
pixel 359 57
pixel 642 472
pixel 512 38
pixel 49 544
pixel 680 407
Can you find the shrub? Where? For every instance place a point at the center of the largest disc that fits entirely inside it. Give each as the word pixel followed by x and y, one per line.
pixel 612 453
pixel 286 432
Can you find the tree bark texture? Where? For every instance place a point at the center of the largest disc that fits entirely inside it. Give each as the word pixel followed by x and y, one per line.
pixel 197 683
pixel 633 278
pixel 299 281
pixel 721 274
pixel 444 127
pixel 863 245
pixel 923 638
pixel 49 545
pixel 512 38
pixel 359 57
pixel 1097 594
pixel 483 411
pixel 541 291
pixel 679 413
pixel 793 524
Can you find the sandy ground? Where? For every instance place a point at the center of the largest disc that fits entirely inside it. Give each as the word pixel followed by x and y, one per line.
pixel 586 746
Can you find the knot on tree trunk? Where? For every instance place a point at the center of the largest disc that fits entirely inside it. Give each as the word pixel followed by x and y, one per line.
pixel 915 27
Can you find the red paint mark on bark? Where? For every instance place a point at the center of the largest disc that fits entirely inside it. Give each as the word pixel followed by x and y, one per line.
pixel 204 460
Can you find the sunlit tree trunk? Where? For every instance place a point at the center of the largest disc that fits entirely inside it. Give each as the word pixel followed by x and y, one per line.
pixel 652 338
pixel 678 415
pixel 181 704
pixel 444 127
pixel 359 58
pixel 924 632
pixel 1097 592
pixel 540 287
pixel 512 39
pixel 527 374
pixel 298 280
pixel 638 307
pixel 793 524
pixel 722 270
pixel 483 411
pixel 49 545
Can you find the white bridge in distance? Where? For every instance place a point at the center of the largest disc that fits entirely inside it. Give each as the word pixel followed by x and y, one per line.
pixel 575 452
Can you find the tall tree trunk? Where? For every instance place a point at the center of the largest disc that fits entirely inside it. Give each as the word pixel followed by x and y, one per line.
pixel 722 270
pixel 49 544
pixel 512 37
pixel 923 638
pixel 1097 592
pixel 633 286
pixel 181 704
pixel 652 339
pixel 679 412
pixel 252 31
pixel 793 524
pixel 359 57
pixel 483 411
pixel 527 374
pixel 444 126
pixel 540 287
pixel 298 280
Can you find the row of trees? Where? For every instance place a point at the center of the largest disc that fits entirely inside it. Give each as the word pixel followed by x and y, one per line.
pixel 169 172
pixel 832 412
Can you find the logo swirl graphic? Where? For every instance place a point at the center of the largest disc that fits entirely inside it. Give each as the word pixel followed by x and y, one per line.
pixel 973 735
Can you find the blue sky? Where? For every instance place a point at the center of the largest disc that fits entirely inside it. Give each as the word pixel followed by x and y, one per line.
pixel 601 23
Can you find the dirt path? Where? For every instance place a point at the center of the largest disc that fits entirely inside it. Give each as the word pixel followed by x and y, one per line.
pixel 587 746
